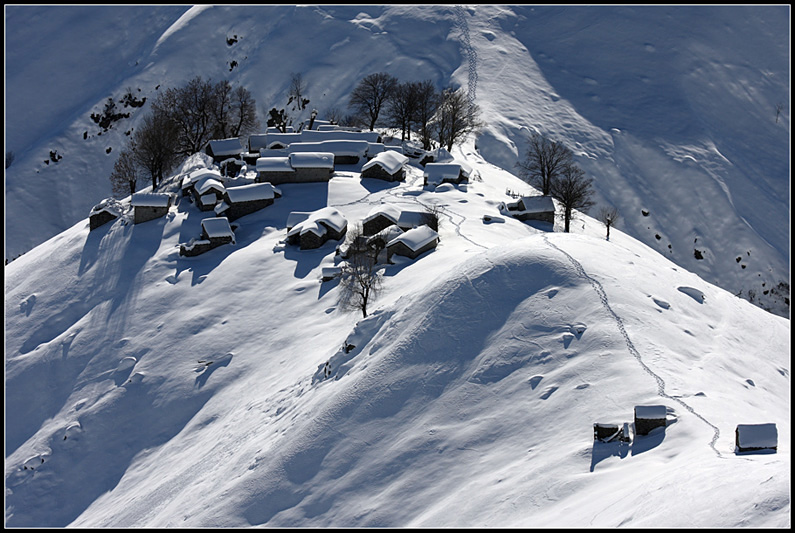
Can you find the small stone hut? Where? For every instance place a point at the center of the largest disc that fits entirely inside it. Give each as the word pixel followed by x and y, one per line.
pixel 148 206
pixel 346 152
pixel 312 166
pixel 223 149
pixel 611 432
pixel 245 199
pixel 190 180
pixel 649 417
pixel 387 166
pixel 208 192
pixel 312 230
pixel 413 243
pixel 216 232
pixel 756 437
pixel 530 208
pixel 437 173
pixel 102 213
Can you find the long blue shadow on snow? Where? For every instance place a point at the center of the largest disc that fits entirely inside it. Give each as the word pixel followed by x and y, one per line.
pixel 640 444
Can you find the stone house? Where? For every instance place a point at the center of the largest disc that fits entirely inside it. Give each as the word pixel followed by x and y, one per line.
pixel 102 213
pixel 388 166
pixel 312 166
pixel 189 181
pixel 530 208
pixel 312 230
pixel 346 152
pixel 245 199
pixel 756 437
pixel 649 417
pixel 437 173
pixel 223 149
pixel 216 232
pixel 413 243
pixel 208 192
pixel 149 206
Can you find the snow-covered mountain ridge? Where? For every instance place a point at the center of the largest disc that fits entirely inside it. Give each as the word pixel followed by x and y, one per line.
pixel 672 110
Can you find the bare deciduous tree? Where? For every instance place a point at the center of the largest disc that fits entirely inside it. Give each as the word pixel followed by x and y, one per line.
pixel 427 104
pixel 297 91
pixel 154 146
pixel 360 281
pixel 573 190
pixel 371 94
pixel 544 161
pixel 124 177
pixel 609 216
pixel 455 118
pixel 402 108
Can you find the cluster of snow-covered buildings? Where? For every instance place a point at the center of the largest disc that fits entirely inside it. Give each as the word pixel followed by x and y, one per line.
pixel 304 157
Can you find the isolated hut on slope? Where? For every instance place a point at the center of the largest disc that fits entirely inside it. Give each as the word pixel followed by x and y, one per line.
pixel 530 208
pixel 105 211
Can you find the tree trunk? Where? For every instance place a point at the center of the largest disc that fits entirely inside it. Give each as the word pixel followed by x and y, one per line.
pixel 567 215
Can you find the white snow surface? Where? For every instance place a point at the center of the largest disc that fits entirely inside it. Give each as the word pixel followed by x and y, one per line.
pixel 146 389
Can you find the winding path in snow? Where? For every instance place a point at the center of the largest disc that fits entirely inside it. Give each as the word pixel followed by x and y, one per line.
pixel 630 346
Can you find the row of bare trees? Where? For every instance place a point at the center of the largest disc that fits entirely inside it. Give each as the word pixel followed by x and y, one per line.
pixel 180 122
pixel 446 116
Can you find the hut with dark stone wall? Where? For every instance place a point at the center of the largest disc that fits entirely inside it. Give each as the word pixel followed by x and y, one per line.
pixel 756 437
pixel 413 243
pixel 102 213
pixel 387 166
pixel 216 232
pixel 649 417
pixel 312 230
pixel 246 199
pixel 149 206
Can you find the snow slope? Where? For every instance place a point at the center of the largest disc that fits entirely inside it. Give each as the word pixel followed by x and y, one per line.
pixel 144 389
pixel 672 109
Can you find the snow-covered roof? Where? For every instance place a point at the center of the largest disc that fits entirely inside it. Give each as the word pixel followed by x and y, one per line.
pixel 757 435
pixel 252 192
pixel 415 238
pixel 198 174
pixel 217 227
pixel 148 199
pixel 436 172
pixel 312 160
pixel 206 183
pixel 111 205
pixel 537 204
pixel 274 164
pixel 388 210
pixel 650 412
pixel 283 139
pixel 412 219
pixel 337 147
pixel 390 161
pixel 387 234
pixel 226 147
pixel 339 135
pixel 316 221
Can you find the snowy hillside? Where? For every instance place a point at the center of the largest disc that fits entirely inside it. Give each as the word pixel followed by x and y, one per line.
pixel 146 389
pixel 671 109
